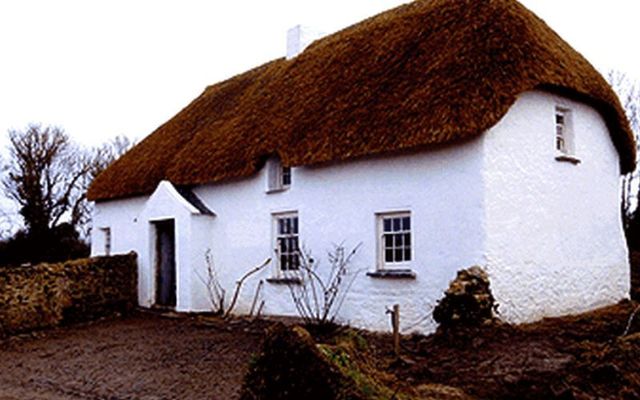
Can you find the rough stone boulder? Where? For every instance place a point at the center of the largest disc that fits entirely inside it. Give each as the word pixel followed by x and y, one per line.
pixel 467 302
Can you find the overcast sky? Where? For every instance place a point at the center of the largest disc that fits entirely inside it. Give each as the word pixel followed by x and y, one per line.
pixel 105 68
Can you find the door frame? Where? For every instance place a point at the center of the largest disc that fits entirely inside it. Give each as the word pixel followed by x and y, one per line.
pixel 156 259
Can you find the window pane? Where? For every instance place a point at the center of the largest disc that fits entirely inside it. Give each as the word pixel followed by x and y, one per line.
pixel 398 255
pixel 294 246
pixel 286 176
pixel 388 255
pixel 388 240
pixel 295 225
pixel 406 223
pixel 387 225
pixel 398 240
pixel 407 239
pixel 396 224
pixel 407 254
pixel 283 262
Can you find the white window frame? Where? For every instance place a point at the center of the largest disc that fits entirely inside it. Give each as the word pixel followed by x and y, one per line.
pixel 381 247
pixel 275 242
pixel 279 177
pixel 106 240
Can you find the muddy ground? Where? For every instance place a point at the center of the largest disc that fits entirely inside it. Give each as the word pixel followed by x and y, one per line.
pixel 577 357
pixel 142 357
pixel 148 356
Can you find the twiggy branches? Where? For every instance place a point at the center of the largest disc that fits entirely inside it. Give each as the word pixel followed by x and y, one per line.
pixel 317 300
pixel 216 292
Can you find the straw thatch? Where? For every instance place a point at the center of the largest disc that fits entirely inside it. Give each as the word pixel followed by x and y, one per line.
pixel 426 73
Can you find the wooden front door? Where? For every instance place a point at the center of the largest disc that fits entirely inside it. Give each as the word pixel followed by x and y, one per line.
pixel 165 263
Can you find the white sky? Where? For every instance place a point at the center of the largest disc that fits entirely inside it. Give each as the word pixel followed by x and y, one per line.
pixel 104 68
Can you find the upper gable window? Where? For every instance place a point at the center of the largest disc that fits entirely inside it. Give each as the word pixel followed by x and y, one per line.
pixel 565 146
pixel 278 176
pixel 562 130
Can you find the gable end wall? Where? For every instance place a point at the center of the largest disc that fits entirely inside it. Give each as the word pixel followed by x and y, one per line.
pixel 555 243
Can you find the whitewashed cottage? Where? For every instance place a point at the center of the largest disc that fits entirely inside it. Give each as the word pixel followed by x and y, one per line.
pixel 441 134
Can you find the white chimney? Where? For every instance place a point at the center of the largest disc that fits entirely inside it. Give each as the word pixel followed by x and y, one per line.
pixel 298 38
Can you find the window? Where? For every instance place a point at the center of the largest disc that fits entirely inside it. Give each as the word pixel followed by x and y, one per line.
pixel 395 243
pixel 106 237
pixel 564 144
pixel 278 177
pixel 286 176
pixel 287 245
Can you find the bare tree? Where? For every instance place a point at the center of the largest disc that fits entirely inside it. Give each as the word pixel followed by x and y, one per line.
pixel 43 176
pixel 628 91
pixel 47 175
pixel 103 156
pixel 95 160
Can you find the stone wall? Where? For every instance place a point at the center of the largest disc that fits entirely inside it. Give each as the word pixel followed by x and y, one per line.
pixel 46 295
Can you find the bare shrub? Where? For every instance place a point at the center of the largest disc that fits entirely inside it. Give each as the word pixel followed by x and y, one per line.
pixel 215 290
pixel 319 300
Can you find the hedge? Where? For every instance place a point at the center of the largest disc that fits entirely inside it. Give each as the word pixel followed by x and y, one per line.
pixel 47 295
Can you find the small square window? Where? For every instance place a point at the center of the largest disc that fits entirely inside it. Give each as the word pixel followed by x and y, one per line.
pixel 394 243
pixel 279 177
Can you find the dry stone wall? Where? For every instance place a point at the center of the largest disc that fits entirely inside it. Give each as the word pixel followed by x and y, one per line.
pixel 46 295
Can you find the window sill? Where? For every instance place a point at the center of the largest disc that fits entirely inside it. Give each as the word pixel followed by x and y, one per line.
pixel 278 190
pixel 285 281
pixel 568 158
pixel 392 274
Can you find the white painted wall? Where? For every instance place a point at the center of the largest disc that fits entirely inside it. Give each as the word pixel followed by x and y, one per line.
pixel 131 222
pixel 555 243
pixel 338 204
pixel 335 204
pixel 547 231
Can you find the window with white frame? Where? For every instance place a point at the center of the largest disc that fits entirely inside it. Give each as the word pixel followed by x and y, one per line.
pixel 564 135
pixel 278 176
pixel 395 243
pixel 106 240
pixel 287 241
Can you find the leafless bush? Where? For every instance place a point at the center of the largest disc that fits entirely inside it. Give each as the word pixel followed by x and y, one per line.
pixel 215 291
pixel 319 300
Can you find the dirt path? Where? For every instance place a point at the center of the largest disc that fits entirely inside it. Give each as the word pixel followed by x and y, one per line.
pixel 142 357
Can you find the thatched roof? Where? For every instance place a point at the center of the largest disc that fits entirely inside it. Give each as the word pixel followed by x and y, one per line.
pixel 426 73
